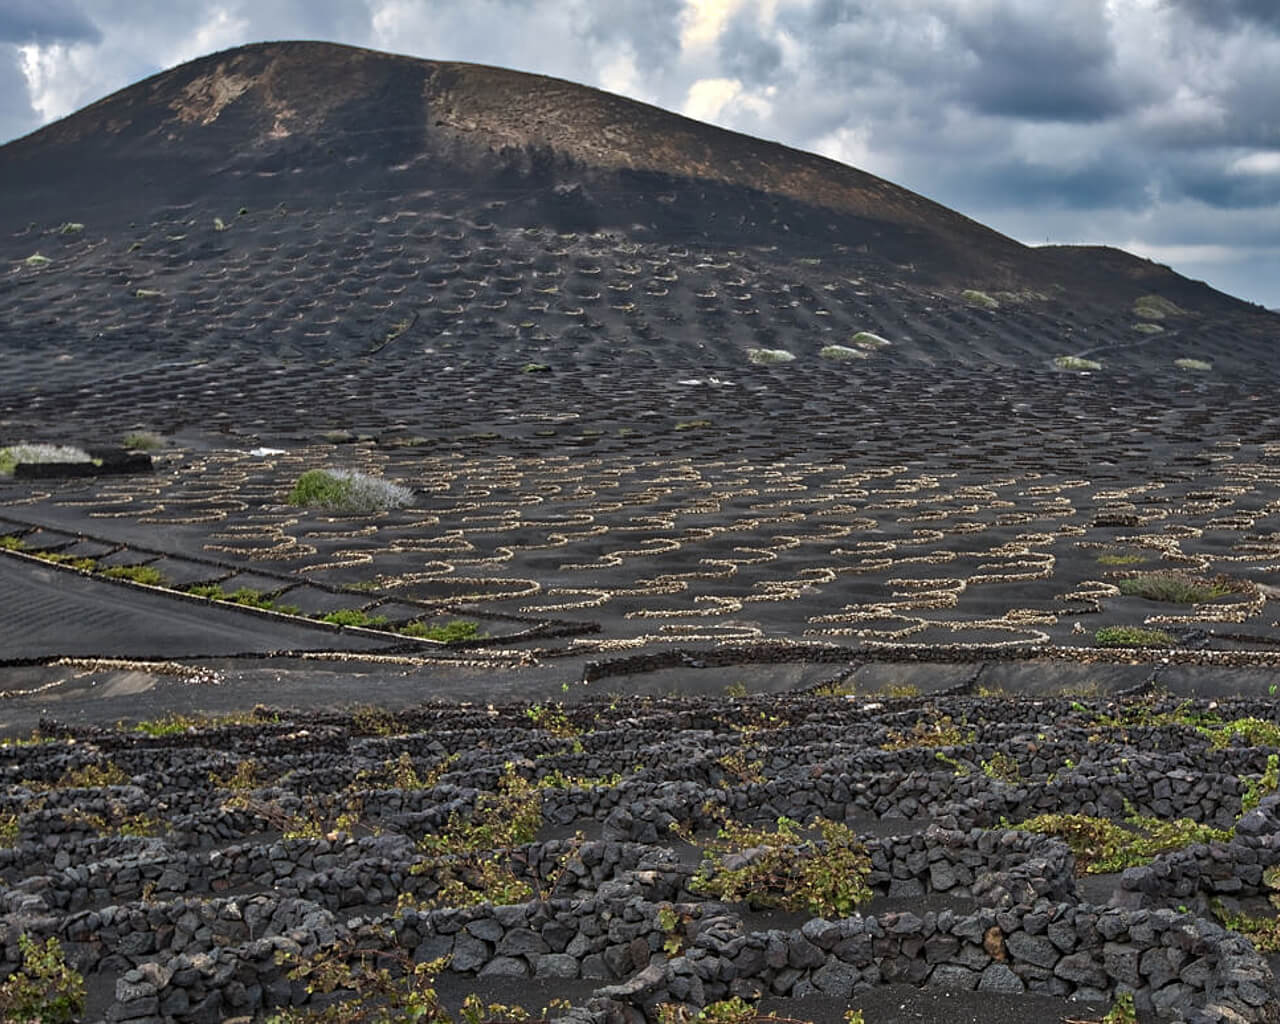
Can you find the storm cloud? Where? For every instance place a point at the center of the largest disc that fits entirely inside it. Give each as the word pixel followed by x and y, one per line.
pixel 1149 124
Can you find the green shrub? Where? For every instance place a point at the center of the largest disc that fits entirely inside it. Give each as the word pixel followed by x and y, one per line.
pixel 977 298
pixel 1155 307
pixel 1148 328
pixel 865 339
pixel 18 454
pixel 1076 363
pixel 1117 558
pixel 347 492
pixel 44 990
pixel 1199 365
pixel 1171 588
pixel 766 356
pixel 143 440
pixel 449 632
pixel 37 260
pixel 137 573
pixel 1132 636
pixel 842 353
pixel 353 617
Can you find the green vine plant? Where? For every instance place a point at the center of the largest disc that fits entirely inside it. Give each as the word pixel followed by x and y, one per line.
pixel 783 868
pixel 732 1011
pixel 471 856
pixel 44 989
pixel 940 733
pixel 1102 846
pixel 1263 932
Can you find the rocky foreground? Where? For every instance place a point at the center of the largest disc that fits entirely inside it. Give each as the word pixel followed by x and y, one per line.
pixel 188 867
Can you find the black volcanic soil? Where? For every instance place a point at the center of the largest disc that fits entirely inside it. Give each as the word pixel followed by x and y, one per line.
pixel 502 292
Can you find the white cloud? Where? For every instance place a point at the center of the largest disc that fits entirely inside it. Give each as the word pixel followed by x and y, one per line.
pixel 1257 163
pixel 708 96
pixel 703 21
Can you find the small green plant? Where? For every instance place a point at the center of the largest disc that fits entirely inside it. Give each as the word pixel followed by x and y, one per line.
pixel 942 732
pixel 954 763
pixel 1249 732
pixel 71 227
pixel 1078 363
pixel 219 224
pixel 1145 328
pixel 37 260
pixel 692 424
pixel 1002 767
pixel 92 776
pixel 9 542
pixel 207 590
pixel 1119 558
pixel 738 765
pixel 1122 1010
pixel 535 368
pixel 147 293
pixel 470 857
pixel 9 830
pixel 143 441
pixel 1155 307
pixel 44 989
pixel 827 877
pixel 347 492
pixel 1199 365
pixel 353 617
pixel 865 339
pixel 977 298
pixel 247 597
pixel 1132 636
pixel 731 1011
pixel 550 718
pixel 243 779
pixel 767 356
pixel 842 353
pixel 1256 789
pixel 672 926
pixel 385 986
pixel 1173 588
pixel 144 574
pixel 446 633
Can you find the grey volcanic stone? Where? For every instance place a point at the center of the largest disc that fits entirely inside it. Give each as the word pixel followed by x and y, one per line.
pixel 504 967
pixel 837 979
pixel 1034 949
pixel 469 953
pixel 999 978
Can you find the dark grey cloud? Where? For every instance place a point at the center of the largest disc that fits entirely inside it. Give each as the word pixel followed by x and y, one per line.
pixel 1108 181
pixel 1227 13
pixel 1040 65
pixel 45 21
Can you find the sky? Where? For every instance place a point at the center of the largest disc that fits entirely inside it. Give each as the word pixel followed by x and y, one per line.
pixel 1152 125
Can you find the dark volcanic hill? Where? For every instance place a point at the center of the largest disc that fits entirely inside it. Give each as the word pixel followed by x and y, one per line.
pixel 309 200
